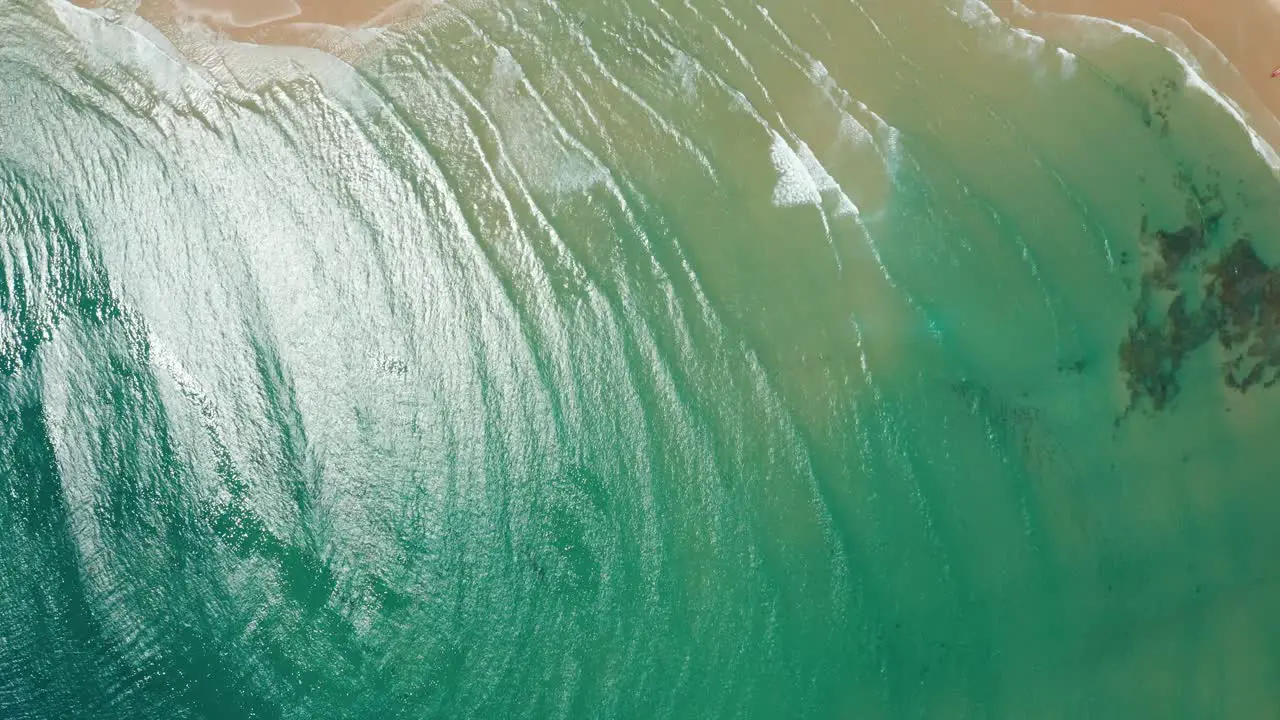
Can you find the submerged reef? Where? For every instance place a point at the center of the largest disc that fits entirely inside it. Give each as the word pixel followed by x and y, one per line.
pixel 1198 288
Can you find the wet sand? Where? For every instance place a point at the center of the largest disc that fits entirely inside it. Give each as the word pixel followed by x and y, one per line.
pixel 1233 41
pixel 248 13
pixel 318 23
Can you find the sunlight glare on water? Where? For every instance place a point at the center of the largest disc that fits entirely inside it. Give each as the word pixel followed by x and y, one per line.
pixel 633 359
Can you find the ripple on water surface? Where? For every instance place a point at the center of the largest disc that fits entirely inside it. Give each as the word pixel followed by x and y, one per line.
pixel 633 359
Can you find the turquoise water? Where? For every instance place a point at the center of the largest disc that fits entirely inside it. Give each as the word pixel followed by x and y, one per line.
pixel 633 360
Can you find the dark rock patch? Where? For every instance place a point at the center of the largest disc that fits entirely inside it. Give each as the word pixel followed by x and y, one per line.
pixel 1195 291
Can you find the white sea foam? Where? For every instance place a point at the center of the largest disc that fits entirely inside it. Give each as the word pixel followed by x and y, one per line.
pixel 977 14
pixel 251 66
pixel 1068 61
pixel 1262 147
pixel 822 180
pixel 887 138
pixel 821 78
pixel 795 186
pixel 1014 41
pixel 1109 25
pixel 108 45
pixel 852 132
pixel 1022 44
pixel 826 185
pixel 804 180
pixel 189 77
pixel 684 73
pixel 539 144
pixel 1193 80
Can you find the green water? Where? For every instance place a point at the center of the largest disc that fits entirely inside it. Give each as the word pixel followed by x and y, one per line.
pixel 626 359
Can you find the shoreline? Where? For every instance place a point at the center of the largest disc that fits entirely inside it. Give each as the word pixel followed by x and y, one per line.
pixel 1228 48
pixel 333 26
pixel 1229 45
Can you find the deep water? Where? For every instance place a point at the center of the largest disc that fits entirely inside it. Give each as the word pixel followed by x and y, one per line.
pixel 605 359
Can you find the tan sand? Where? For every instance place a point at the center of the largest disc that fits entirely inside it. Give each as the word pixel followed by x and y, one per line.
pixel 286 22
pixel 1236 42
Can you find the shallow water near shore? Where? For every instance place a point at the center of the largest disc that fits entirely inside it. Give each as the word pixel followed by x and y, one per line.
pixel 634 359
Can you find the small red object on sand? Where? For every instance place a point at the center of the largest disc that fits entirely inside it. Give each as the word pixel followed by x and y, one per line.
pixel 1275 73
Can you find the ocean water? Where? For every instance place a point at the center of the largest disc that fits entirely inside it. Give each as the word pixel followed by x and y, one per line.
pixel 634 359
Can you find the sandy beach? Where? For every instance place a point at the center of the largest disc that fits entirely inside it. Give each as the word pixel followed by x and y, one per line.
pixel 1233 41
pixel 281 22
